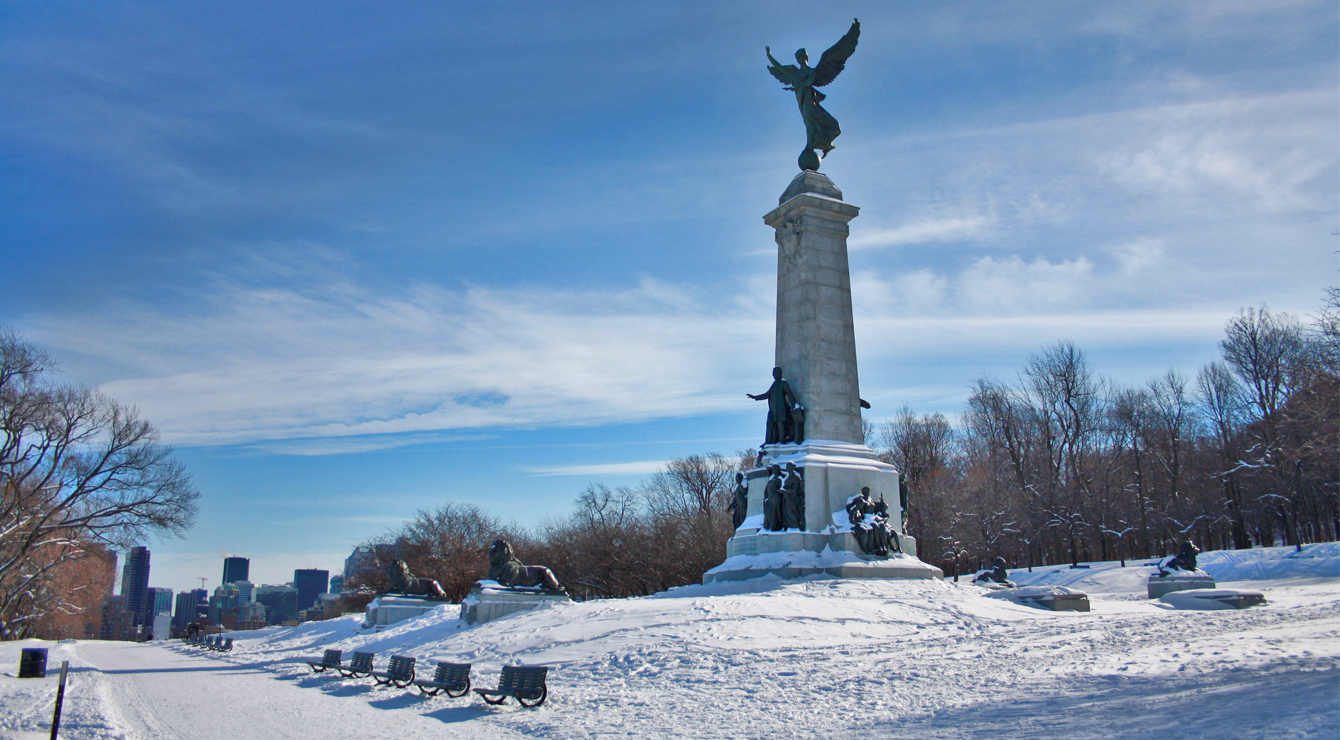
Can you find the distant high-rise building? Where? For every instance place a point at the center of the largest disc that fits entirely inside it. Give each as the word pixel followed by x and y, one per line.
pixel 223 605
pixel 247 591
pixel 201 604
pixel 185 612
pixel 362 558
pixel 117 622
pixel 236 569
pixel 281 603
pixel 336 584
pixel 157 601
pixel 310 584
pixel 135 584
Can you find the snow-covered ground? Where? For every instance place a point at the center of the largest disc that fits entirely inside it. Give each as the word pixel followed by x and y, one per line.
pixel 816 658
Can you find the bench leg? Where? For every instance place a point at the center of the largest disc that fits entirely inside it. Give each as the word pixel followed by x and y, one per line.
pixel 544 694
pixel 499 700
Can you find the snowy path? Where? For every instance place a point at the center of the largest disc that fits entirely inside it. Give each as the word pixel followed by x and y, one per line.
pixel 146 692
pixel 763 659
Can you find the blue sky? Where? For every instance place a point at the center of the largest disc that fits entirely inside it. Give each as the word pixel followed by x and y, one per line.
pixel 357 259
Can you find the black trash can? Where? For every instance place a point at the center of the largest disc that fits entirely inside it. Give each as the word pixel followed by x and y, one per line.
pixel 33 663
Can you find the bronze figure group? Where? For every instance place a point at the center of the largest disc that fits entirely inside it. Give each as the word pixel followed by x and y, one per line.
pixel 784 499
pixel 870 524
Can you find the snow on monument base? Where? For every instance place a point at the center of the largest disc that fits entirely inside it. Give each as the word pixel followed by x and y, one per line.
pixel 489 600
pixel 1178 580
pixel 386 610
pixel 840 564
pixel 833 472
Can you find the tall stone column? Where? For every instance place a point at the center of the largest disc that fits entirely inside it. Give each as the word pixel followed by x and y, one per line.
pixel 816 341
pixel 816 349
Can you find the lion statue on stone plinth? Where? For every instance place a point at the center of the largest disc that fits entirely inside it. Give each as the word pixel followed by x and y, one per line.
pixel 401 581
pixel 508 571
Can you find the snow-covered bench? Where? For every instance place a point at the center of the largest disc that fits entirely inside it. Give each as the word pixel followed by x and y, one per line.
pixel 525 682
pixel 359 667
pixel 331 659
pixel 453 678
pixel 399 673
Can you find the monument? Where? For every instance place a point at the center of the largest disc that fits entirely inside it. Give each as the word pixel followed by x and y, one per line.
pixel 510 587
pixel 814 462
pixel 996 577
pixel 406 596
pixel 1179 573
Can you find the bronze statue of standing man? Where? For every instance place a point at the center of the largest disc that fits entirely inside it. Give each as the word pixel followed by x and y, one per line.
pixel 820 126
pixel 780 400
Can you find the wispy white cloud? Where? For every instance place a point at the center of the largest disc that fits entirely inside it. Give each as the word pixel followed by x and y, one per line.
pixel 350 445
pixel 251 362
pixel 954 228
pixel 643 467
pixel 1012 285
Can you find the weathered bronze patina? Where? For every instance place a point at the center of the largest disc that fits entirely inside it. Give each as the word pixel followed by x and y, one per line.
pixel 997 574
pixel 793 499
pixel 870 525
pixel 739 502
pixel 510 572
pixel 773 518
pixel 820 126
pixel 401 581
pixel 781 402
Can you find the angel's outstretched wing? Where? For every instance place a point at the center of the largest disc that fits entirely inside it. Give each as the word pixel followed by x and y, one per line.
pixel 786 73
pixel 835 59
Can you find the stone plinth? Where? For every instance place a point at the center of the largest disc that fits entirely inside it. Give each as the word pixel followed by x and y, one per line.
pixel 1055 598
pixel 833 473
pixel 800 563
pixel 1207 599
pixel 385 611
pixel 488 601
pixel 1180 580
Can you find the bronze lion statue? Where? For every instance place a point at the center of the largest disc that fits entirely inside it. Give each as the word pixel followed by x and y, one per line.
pixel 508 571
pixel 401 581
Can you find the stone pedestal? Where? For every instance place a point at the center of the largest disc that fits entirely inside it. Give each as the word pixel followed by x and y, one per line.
pixel 833 473
pixel 1227 598
pixel 1055 598
pixel 816 349
pixel 1180 580
pixel 489 601
pixel 384 611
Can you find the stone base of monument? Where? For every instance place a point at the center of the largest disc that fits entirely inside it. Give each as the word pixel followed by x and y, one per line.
pixel 1178 580
pixel 833 472
pixel 1206 599
pixel 1055 598
pixel 839 564
pixel 387 610
pixel 488 600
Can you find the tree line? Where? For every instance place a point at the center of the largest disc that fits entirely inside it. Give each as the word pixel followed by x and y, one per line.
pixel 1061 465
pixel 617 542
pixel 1058 465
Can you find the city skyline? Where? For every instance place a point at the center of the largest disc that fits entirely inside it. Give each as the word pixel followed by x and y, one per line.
pixel 363 261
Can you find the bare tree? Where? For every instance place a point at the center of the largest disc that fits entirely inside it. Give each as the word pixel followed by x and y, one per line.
pixel 75 468
pixel 1266 351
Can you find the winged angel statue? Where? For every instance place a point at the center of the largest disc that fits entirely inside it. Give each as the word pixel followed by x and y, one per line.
pixel 820 126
